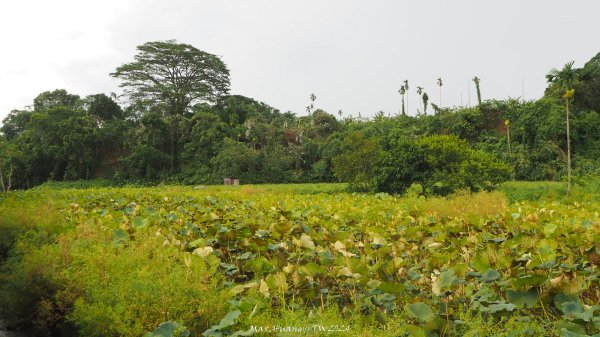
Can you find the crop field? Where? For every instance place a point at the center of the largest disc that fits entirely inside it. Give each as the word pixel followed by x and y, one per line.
pixel 294 261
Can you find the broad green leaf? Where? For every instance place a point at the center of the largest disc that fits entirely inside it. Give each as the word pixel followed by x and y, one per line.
pixel 496 307
pixel 528 281
pixel 277 282
pixel 120 235
pixel 480 262
pixel 570 327
pixel 140 223
pixel 562 298
pixel 242 287
pixel 571 308
pixel 169 329
pixel 373 284
pixel 229 319
pixel 490 275
pixel 521 299
pixel 312 269
pixel 447 279
pixel 549 229
pixel 420 311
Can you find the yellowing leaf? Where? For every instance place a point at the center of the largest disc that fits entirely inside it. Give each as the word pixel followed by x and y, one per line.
pixel 305 241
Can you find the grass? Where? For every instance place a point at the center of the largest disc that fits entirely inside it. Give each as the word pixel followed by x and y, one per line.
pixel 301 188
pixel 533 190
pixel 584 189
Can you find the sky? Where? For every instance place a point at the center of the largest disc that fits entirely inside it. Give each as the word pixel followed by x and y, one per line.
pixel 353 55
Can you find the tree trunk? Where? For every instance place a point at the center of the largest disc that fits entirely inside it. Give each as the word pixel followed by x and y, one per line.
pixel 403 111
pixel 173 147
pixel 2 181
pixel 174 142
pixel 508 140
pixel 9 178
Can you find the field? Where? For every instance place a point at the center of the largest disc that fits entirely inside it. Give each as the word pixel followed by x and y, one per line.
pixel 300 260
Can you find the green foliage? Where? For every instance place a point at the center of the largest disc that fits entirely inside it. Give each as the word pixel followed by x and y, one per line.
pixel 236 160
pixel 357 161
pixel 586 92
pixel 85 280
pixel 420 311
pixel 131 260
pixel 169 329
pixel 174 74
pixel 54 99
pixel 103 108
pixel 441 164
pixel 173 129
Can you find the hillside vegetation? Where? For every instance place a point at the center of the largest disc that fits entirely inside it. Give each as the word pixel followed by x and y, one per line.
pixel 161 130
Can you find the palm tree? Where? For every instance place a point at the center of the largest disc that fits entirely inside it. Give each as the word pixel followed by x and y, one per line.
pixel 439 83
pixel 312 98
pixel 565 79
pixel 476 80
pixel 402 92
pixel 419 92
pixel 425 98
pixel 406 91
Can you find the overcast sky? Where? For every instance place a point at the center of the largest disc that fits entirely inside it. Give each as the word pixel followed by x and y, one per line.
pixel 354 55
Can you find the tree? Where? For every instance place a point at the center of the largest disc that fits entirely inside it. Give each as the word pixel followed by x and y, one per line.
pixel 57 98
pixel 323 124
pixel 310 108
pixel 8 155
pixel 173 76
pixel 419 92
pixel 236 160
pixel 477 80
pixel 406 90
pixel 565 79
pixel 424 97
pixel 439 83
pixel 204 140
pixel 58 144
pixel 147 149
pixel 102 108
pixel 357 161
pixel 15 122
pixel 588 86
pixel 442 164
pixel 402 92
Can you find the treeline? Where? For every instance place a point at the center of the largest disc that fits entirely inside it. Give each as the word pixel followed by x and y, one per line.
pixel 175 137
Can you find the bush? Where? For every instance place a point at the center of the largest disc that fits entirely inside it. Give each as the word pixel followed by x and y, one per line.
pixel 441 164
pixel 80 282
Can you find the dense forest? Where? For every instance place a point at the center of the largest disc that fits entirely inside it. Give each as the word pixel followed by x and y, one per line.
pixel 178 123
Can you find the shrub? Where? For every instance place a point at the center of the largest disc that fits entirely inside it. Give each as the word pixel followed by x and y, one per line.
pixel 441 164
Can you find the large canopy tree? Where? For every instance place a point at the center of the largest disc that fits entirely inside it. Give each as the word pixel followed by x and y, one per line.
pixel 172 77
